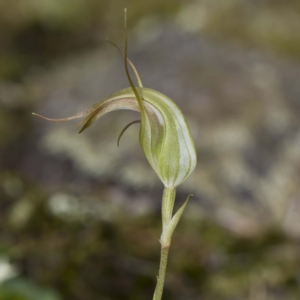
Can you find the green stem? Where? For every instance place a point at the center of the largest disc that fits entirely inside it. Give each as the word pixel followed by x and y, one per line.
pixel 162 274
pixel 167 205
pixel 165 240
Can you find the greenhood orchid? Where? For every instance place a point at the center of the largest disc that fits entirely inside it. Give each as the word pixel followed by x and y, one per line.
pixel 165 139
pixel 164 134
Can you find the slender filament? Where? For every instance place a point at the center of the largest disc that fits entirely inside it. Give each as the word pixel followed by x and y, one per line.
pixel 125 128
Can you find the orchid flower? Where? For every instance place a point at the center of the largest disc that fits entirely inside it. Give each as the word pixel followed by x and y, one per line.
pixel 165 139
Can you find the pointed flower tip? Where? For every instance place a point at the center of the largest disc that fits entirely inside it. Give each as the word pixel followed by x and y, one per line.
pixel 81 130
pixel 188 197
pixel 37 115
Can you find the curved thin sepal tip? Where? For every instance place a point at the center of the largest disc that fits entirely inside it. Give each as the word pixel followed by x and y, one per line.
pixel 77 116
pixel 125 128
pixel 138 79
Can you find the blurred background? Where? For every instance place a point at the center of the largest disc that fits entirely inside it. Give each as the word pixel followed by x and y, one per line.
pixel 80 217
